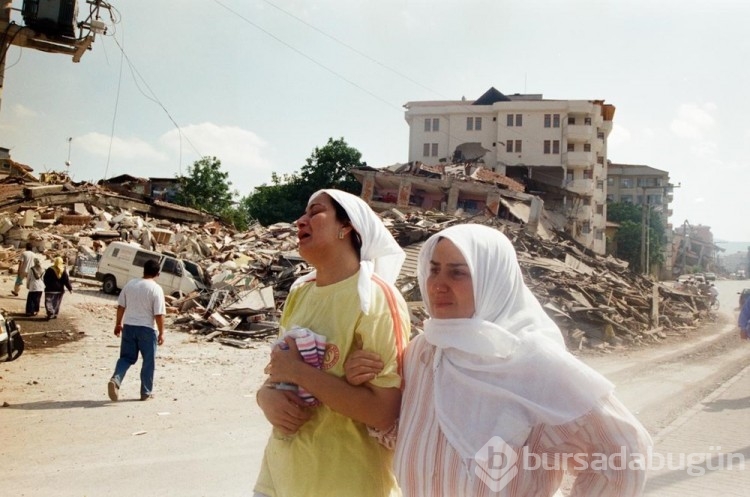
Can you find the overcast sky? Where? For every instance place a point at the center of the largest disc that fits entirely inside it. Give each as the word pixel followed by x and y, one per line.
pixel 260 83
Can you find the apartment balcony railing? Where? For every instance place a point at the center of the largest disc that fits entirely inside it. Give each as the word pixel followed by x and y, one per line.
pixel 580 159
pixel 578 133
pixel 581 186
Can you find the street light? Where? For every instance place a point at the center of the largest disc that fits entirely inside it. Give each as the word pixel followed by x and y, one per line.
pixel 67 162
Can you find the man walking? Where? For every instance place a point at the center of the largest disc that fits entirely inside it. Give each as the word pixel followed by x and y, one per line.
pixel 24 266
pixel 140 304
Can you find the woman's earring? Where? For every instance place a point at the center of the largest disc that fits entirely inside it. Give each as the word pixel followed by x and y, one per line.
pixel 341 234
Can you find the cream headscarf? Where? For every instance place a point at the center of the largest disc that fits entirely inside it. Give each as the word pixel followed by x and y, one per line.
pixel 380 253
pixel 59 266
pixel 506 369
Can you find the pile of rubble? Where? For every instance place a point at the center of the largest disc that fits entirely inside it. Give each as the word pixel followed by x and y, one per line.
pixel 595 300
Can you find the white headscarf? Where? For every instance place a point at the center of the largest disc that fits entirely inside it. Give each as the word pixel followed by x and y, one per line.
pixel 380 253
pixel 505 369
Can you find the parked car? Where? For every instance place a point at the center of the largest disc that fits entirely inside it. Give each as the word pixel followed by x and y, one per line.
pixel 744 294
pixel 122 262
pixel 710 276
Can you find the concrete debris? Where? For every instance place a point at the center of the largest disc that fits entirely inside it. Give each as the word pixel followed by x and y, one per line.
pixel 595 300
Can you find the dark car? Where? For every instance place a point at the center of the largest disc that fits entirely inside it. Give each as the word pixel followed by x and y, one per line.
pixel 744 294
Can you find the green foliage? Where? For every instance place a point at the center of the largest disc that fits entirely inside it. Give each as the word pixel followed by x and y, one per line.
pixel 285 199
pixel 628 237
pixel 206 187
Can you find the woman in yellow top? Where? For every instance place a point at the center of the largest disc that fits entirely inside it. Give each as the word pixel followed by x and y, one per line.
pixel 350 300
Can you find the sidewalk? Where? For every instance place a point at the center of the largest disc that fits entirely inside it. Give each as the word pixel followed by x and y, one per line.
pixel 711 442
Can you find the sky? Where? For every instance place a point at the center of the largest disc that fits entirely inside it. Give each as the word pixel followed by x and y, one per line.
pixel 259 84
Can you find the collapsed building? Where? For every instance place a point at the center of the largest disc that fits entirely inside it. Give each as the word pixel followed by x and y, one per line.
pixel 595 300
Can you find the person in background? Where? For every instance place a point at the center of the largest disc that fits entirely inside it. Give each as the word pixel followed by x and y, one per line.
pixel 349 300
pixel 744 320
pixel 24 265
pixel 139 305
pixel 56 280
pixel 35 284
pixel 490 382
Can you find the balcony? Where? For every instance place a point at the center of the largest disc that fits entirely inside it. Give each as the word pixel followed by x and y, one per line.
pixel 581 186
pixel 580 159
pixel 583 133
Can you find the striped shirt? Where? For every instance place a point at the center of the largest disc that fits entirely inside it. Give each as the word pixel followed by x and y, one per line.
pixel 426 465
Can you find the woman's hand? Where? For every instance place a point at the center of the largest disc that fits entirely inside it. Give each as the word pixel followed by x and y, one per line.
pixel 283 409
pixel 362 366
pixel 286 363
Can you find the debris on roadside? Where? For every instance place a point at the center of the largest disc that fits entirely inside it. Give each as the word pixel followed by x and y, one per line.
pixel 595 300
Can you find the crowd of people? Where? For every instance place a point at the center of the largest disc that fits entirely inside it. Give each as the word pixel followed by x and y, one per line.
pixel 52 282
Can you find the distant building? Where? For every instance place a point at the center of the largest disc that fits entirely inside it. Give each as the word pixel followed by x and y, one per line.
pixel 647 186
pixel 12 169
pixel 556 148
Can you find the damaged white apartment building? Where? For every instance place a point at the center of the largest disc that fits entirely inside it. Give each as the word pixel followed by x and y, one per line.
pixel 556 148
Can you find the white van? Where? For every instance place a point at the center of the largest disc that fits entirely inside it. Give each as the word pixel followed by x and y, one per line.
pixel 122 262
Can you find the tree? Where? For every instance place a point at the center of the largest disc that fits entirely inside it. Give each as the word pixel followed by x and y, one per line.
pixel 328 167
pixel 206 187
pixel 286 198
pixel 628 237
pixel 279 201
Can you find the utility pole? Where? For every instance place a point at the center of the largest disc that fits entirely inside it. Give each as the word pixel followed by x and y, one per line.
pixel 50 41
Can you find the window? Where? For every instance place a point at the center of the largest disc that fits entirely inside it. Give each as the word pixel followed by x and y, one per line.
pixel 432 124
pixel 555 120
pixel 552 120
pixel 430 150
pixel 587 120
pixel 610 198
pixel 626 182
pixel 569 177
pixel 600 184
pixel 600 160
pixel 587 174
pixel 587 147
pixel 548 120
pixel 586 227
pixel 141 258
pixel 600 209
pixel 553 145
pixel 610 181
pixel 512 145
pixel 571 120
pixel 473 124
pixel 626 199
pixel 600 135
pixel 509 120
pixel 599 234
pixel 571 147
pixel 171 266
pixel 586 201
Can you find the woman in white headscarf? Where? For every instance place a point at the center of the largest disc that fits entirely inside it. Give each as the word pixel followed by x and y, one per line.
pixel 493 403
pixel 349 300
